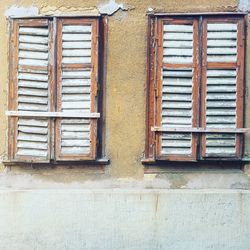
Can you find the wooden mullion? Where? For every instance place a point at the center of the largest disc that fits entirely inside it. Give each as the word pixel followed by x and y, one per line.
pixel 195 90
pixel 11 88
pixel 240 85
pixel 94 87
pixel 51 90
pixel 150 101
pixel 101 106
pixel 57 139
pixel 14 86
pixel 158 80
pixel 203 86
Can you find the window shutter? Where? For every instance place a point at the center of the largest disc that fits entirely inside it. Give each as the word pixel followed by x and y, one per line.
pixel 222 86
pixel 177 81
pixel 77 88
pixel 30 87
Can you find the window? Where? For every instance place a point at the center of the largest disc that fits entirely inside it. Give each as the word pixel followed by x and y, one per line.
pixel 195 87
pixel 54 109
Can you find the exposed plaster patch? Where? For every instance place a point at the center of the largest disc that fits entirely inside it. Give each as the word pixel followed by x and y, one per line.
pixel 244 5
pixel 120 15
pixel 48 10
pixel 15 10
pixel 111 7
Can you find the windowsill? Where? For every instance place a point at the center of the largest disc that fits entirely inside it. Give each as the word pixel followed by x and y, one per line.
pixel 152 166
pixel 150 161
pixel 100 161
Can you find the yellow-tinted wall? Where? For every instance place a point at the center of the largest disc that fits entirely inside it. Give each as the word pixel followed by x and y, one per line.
pixel 126 78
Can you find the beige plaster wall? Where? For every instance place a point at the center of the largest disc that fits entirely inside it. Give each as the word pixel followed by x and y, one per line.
pixel 126 77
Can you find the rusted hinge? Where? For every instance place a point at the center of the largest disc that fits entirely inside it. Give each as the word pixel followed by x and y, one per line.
pixel 154 41
pixel 98 87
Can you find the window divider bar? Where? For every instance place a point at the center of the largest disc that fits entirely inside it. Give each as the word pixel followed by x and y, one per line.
pixel 53 114
pixel 201 130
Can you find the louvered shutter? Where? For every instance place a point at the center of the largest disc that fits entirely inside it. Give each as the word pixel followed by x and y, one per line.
pixel 77 88
pixel 177 88
pixel 222 86
pixel 30 83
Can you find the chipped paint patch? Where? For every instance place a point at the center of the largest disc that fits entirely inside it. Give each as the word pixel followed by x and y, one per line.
pixel 14 11
pixel 111 7
pixel 244 5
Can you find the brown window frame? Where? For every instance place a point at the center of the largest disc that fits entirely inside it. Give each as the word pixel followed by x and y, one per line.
pixel 98 81
pixel 154 94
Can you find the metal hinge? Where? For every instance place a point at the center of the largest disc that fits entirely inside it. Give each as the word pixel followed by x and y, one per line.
pixel 154 41
pixel 98 87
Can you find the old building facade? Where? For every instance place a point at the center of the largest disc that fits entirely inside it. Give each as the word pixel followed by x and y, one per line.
pixel 157 170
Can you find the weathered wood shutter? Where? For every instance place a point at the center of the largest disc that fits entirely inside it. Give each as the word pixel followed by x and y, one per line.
pixel 177 88
pixel 222 86
pixel 30 77
pixel 77 58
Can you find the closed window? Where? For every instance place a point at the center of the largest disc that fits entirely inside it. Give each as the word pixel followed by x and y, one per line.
pixel 195 88
pixel 53 89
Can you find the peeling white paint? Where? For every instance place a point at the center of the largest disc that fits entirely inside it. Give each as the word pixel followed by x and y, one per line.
pixel 244 5
pixel 14 11
pixel 111 7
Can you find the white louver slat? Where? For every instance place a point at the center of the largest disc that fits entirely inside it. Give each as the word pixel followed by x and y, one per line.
pixel 177 84
pixel 221 89
pixel 221 42
pixel 74 37
pixel 32 92
pixel 75 90
pixel 221 110
pixel 75 133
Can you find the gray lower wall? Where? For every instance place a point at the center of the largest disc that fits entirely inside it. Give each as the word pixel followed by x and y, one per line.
pixel 124 219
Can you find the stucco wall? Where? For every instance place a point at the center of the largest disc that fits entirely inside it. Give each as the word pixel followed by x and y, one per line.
pixel 124 219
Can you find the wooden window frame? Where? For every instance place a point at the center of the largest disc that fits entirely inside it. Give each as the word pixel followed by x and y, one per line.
pixel 99 42
pixel 153 98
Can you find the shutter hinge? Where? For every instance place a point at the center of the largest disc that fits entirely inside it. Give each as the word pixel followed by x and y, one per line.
pixel 154 41
pixel 204 64
pixel 156 91
pixel 98 87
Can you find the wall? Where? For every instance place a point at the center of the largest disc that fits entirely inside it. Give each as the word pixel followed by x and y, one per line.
pixel 118 206
pixel 126 70
pixel 125 219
